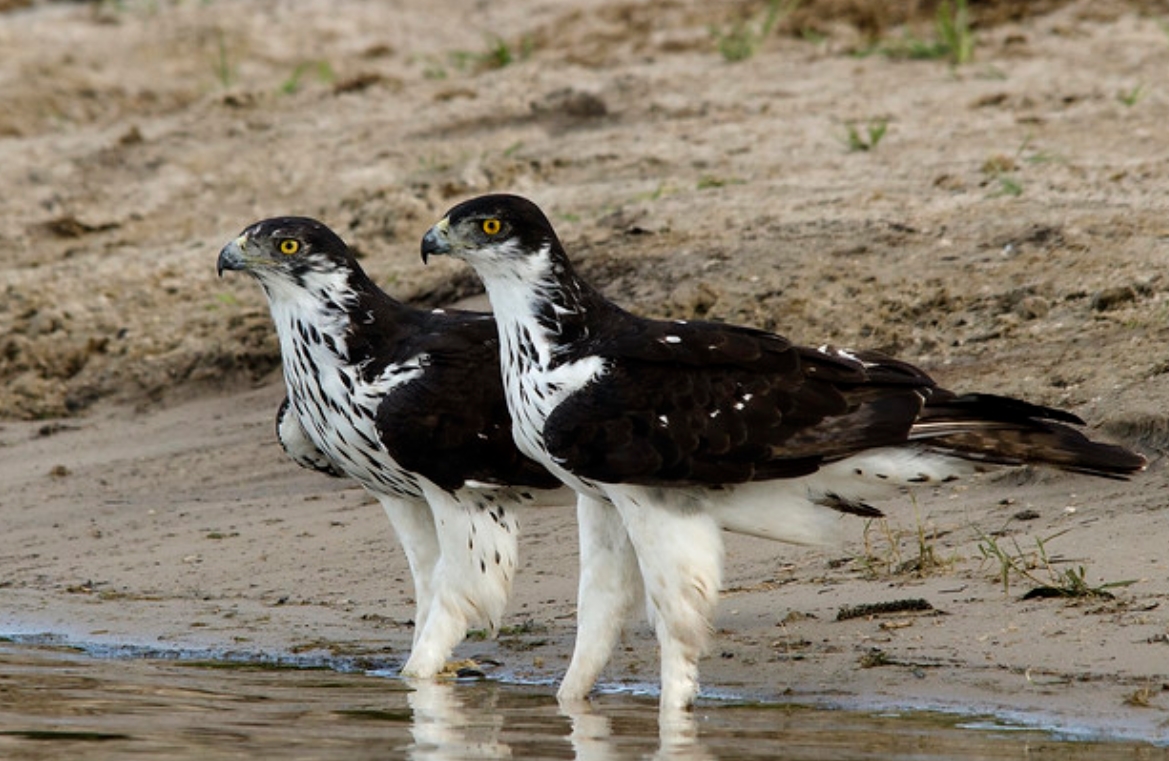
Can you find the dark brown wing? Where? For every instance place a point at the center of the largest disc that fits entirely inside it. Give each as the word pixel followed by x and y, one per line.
pixel 704 403
pixel 451 423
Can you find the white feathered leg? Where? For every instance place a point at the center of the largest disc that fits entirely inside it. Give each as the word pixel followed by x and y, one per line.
pixel 413 522
pixel 610 584
pixel 472 579
pixel 680 552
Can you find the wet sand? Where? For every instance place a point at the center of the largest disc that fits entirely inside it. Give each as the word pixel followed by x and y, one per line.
pixel 187 529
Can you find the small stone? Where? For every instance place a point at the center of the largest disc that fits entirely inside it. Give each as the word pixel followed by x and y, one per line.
pixel 1032 307
pixel 1111 298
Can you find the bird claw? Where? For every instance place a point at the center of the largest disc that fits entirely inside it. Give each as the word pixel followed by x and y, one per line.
pixel 463 669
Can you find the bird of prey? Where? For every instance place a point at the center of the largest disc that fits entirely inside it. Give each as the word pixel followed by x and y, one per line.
pixel 409 404
pixel 692 427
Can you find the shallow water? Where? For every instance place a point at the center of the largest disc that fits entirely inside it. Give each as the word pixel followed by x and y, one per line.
pixel 60 702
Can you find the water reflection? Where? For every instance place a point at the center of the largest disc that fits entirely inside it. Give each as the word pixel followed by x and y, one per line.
pixel 590 734
pixel 57 703
pixel 592 737
pixel 452 720
pixel 442 727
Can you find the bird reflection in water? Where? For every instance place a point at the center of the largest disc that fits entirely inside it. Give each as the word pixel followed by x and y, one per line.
pixel 452 720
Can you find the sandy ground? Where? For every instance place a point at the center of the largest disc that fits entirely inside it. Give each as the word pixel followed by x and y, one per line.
pixel 1007 232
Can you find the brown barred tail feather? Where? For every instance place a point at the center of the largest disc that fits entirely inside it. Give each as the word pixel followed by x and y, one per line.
pixel 997 429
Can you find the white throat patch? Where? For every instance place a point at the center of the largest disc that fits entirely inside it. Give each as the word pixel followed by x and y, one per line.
pixel 335 406
pixel 520 286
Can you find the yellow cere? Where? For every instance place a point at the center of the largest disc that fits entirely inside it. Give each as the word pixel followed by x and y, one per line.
pixel 288 246
pixel 491 226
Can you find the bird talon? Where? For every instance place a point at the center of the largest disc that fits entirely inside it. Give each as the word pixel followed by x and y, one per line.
pixel 462 669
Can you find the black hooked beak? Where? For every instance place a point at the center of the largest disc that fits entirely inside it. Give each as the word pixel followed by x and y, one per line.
pixel 435 242
pixel 231 257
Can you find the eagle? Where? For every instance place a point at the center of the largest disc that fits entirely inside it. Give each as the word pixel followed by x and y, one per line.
pixel 679 429
pixel 409 403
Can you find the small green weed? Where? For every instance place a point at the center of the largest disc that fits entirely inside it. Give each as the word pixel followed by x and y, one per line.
pixel 953 38
pixel 913 49
pixel 1131 96
pixel 499 54
pixel 999 168
pixel 660 191
pixel 922 560
pixel 1008 186
pixel 224 69
pixel 708 181
pixel 874 132
pixel 433 67
pixel 1070 582
pixel 953 28
pixel 295 80
pixel 526 627
pixel 741 40
pixel 812 36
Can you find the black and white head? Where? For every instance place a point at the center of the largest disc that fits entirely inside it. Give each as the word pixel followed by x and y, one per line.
pixel 498 235
pixel 287 254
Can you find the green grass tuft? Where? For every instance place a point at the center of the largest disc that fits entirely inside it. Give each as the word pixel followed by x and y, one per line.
pixel 741 40
pixel 874 132
pixel 222 65
pixel 295 80
pixel 954 39
pixel 1131 96
pixel 1023 565
pixel 708 181
pixel 953 28
pixel 883 555
pixel 499 54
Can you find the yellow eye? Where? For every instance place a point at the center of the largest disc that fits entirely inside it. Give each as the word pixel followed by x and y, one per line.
pixel 491 226
pixel 288 246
